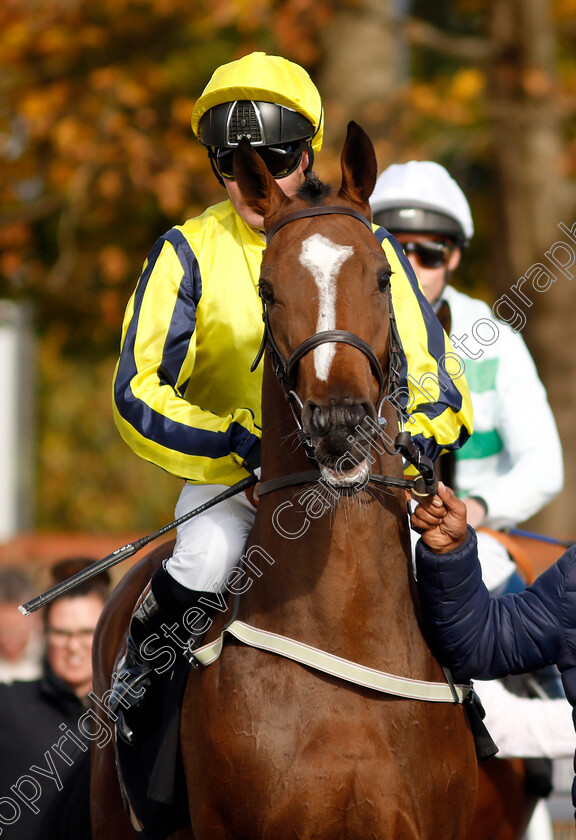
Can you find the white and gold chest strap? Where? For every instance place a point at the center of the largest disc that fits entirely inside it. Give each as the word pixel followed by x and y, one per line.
pixel 333 665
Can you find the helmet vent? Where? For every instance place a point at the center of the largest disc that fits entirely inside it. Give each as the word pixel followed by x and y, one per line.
pixel 244 122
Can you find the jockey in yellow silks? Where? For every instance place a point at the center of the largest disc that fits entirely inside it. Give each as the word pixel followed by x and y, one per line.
pixel 184 397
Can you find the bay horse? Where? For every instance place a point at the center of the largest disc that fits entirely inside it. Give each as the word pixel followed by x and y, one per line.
pixel 272 747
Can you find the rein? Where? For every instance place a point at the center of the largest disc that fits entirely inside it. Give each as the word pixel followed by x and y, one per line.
pixel 424 485
pixel 285 369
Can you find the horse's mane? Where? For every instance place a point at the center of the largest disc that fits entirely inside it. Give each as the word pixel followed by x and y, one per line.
pixel 314 190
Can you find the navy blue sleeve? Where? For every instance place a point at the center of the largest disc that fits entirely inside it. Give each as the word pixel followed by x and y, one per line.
pixel 480 636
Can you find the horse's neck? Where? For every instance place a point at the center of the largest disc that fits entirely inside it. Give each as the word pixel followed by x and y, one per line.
pixel 332 571
pixel 336 575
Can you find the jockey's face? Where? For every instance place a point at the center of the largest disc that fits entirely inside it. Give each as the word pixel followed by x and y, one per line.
pixel 289 185
pixel 432 279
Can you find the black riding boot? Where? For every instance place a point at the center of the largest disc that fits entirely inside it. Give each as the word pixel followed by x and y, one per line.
pixel 169 619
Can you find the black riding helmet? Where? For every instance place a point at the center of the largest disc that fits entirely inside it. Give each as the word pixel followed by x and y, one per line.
pixel 263 123
pixel 285 134
pixel 415 219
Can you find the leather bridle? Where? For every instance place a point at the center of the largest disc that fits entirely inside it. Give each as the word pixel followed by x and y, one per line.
pixel 285 370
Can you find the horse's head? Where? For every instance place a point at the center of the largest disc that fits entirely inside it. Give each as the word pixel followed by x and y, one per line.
pixel 325 287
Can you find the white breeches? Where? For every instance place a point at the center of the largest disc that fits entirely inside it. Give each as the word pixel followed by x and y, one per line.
pixel 540 826
pixel 209 545
pixel 495 561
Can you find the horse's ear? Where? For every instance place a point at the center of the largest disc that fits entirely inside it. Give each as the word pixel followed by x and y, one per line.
pixel 259 189
pixel 359 167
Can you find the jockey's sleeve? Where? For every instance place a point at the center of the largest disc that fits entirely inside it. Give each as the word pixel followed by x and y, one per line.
pixel 184 397
pixel 433 392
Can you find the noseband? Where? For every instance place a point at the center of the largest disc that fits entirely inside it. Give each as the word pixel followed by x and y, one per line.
pixel 285 370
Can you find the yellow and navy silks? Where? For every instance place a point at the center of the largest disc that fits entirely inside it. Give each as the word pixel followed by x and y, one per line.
pixel 184 397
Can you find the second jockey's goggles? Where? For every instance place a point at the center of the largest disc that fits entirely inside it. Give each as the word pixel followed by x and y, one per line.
pixel 429 254
pixel 281 159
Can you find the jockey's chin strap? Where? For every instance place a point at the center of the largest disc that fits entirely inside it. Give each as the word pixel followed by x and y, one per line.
pixel 285 370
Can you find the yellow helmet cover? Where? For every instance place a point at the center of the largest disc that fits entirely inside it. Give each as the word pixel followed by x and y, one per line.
pixel 267 78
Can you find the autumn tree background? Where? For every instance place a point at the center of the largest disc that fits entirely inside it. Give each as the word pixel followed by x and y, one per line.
pixel 97 159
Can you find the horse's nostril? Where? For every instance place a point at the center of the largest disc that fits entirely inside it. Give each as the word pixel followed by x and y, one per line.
pixel 337 419
pixel 320 420
pixel 357 414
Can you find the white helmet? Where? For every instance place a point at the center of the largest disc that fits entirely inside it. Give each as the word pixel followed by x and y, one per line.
pixel 421 197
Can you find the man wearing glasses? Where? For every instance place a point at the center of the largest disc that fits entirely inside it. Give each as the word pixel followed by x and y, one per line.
pixel 45 724
pixel 184 397
pixel 500 472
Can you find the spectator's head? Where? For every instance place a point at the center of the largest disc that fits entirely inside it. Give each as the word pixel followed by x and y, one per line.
pixel 16 587
pixel 69 624
pixel 427 212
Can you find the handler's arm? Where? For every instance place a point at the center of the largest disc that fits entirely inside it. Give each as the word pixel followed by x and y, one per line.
pixel 476 635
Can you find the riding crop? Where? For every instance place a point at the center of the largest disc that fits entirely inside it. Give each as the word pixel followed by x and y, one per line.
pixel 128 550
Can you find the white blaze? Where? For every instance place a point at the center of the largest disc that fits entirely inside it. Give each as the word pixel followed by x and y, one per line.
pixel 323 259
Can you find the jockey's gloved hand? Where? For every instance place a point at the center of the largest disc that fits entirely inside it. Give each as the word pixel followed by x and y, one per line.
pixel 252 459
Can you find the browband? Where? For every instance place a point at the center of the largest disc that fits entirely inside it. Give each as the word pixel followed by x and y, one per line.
pixel 328 210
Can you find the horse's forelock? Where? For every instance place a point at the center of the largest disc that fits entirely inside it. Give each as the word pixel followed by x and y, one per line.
pixel 314 191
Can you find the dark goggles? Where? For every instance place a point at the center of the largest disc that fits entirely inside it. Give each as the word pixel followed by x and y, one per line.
pixel 280 160
pixel 429 254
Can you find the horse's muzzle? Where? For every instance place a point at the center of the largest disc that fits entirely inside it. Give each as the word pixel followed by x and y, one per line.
pixel 340 438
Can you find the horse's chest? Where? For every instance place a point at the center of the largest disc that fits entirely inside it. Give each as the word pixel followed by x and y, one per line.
pixel 302 751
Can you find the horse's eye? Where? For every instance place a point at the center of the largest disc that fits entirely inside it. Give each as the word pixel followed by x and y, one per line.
pixel 266 292
pixel 384 280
